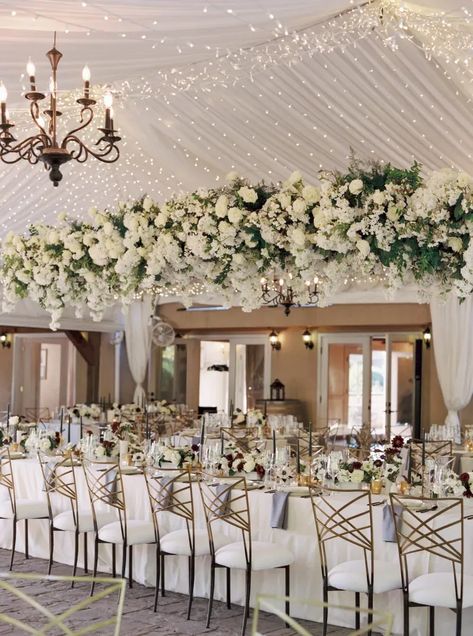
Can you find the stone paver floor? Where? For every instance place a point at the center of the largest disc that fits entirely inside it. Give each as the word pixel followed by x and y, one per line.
pixel 138 617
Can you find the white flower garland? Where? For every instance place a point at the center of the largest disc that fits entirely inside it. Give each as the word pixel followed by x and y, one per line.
pixel 375 222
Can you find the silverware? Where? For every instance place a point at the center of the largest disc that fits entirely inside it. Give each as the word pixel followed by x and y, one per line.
pixel 428 509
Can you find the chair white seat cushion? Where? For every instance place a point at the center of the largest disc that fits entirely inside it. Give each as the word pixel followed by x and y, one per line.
pixel 265 555
pixel 177 542
pixel 65 520
pixel 25 509
pixel 138 532
pixel 351 576
pixel 438 590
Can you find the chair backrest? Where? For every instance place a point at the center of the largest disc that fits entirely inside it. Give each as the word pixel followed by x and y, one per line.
pixel 246 443
pixel 421 451
pixel 170 490
pixel 105 486
pixel 226 502
pixel 345 515
pixel 6 475
pixel 434 527
pixel 59 478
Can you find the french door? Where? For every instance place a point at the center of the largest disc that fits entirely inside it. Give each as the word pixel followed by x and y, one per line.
pixel 369 380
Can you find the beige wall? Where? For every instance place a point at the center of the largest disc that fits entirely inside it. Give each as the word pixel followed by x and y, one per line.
pixel 296 366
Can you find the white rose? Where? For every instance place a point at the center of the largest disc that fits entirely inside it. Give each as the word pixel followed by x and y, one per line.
pixel 357 476
pixel 248 194
pixel 356 186
pixel 298 237
pixel 299 206
pixel 284 200
pixel 14 420
pixel 392 213
pixel 108 228
pixel 311 194
pixel 379 197
pixel 234 215
pixel 147 204
pixel 463 179
pixel 249 465
pixel 45 444
pixel 363 247
pixel 100 451
pixel 53 237
pixel 455 243
pixel 294 178
pixel 221 206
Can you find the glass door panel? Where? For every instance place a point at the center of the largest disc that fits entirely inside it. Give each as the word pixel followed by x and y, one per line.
pixel 344 374
pixel 249 375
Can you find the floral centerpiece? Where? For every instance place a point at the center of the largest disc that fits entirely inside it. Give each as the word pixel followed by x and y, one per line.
pixel 87 411
pixel 357 472
pixel 166 456
pixel 235 461
pixel 238 418
pixel 392 458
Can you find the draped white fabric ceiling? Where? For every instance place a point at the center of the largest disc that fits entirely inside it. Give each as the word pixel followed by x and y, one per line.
pixel 394 105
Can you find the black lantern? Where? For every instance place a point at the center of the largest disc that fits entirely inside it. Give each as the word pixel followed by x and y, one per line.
pixel 278 391
pixel 427 337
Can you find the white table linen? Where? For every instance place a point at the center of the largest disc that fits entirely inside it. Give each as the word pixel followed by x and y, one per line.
pixel 300 538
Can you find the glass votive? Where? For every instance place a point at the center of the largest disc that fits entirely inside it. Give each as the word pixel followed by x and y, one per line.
pixel 404 487
pixel 376 486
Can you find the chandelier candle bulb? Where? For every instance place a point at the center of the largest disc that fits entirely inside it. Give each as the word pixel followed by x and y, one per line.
pixel 86 79
pixel 3 102
pixel 31 71
pixel 108 101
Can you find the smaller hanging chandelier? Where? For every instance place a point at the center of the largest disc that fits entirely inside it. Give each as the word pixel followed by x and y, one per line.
pixel 44 145
pixel 278 293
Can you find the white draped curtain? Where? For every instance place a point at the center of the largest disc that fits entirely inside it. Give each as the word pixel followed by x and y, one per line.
pixel 138 343
pixel 452 327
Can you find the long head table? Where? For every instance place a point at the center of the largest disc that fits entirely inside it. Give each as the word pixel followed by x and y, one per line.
pixel 299 537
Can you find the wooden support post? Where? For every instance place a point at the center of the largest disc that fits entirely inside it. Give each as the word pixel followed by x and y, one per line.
pixel 88 345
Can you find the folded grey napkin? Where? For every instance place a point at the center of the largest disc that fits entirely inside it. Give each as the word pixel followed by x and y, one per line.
pixel 222 491
pixel 389 528
pixel 279 510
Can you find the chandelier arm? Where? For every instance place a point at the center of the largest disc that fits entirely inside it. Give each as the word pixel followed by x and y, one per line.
pixel 86 110
pixel 35 114
pixel 26 149
pixel 83 152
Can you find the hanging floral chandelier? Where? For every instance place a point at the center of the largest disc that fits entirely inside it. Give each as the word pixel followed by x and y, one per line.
pixel 44 146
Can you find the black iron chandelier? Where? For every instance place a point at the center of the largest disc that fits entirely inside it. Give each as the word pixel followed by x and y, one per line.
pixel 280 293
pixel 44 145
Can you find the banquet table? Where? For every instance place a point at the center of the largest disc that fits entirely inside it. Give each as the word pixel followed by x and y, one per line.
pixel 299 537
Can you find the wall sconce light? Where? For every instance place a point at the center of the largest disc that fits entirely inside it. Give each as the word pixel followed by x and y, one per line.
pixel 274 340
pixel 5 340
pixel 307 338
pixel 427 336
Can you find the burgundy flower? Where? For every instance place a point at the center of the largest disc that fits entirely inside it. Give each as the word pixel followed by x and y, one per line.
pixel 356 465
pixel 465 477
pixel 397 441
pixel 239 456
pixel 195 447
pixel 260 470
pixel 240 466
pixel 377 463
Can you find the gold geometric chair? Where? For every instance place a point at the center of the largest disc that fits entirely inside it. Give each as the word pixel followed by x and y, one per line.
pixel 421 451
pixel 348 517
pixel 438 533
pixel 381 621
pixel 31 613
pixel 60 483
pixel 170 491
pixel 227 503
pixel 15 508
pixel 106 493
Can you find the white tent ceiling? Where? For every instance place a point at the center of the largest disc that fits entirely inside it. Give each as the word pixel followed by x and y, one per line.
pixel 263 120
